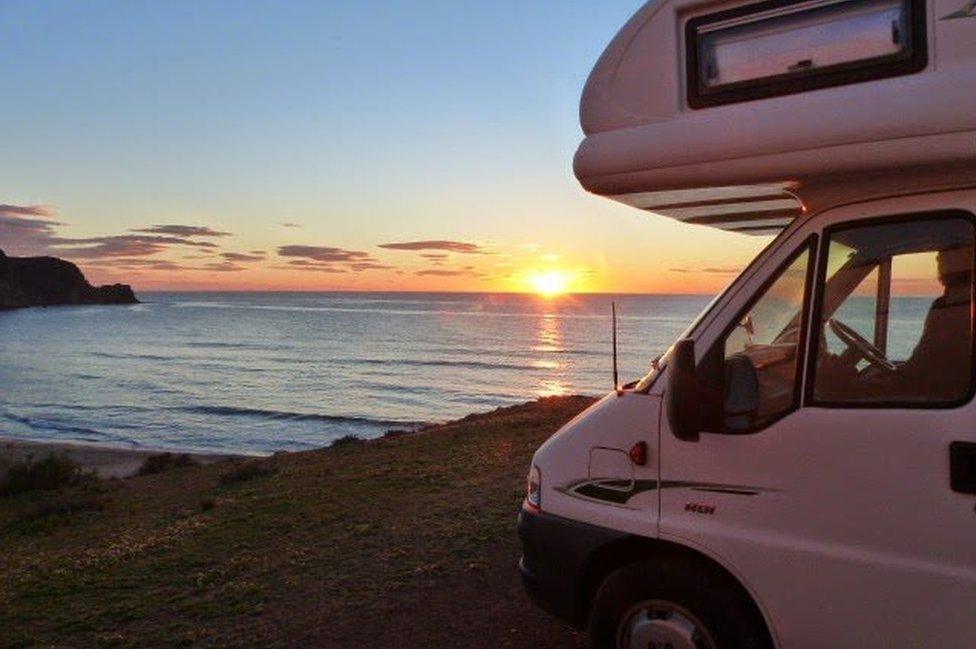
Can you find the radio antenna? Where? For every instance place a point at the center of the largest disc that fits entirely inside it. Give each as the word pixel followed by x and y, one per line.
pixel 613 317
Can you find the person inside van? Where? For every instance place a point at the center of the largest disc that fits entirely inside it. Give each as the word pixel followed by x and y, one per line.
pixel 939 367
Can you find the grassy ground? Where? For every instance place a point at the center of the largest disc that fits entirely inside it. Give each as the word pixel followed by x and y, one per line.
pixel 404 541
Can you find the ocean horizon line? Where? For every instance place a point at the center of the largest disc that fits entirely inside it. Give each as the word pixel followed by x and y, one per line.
pixel 409 292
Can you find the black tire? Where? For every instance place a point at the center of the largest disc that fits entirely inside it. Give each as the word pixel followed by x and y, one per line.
pixel 722 606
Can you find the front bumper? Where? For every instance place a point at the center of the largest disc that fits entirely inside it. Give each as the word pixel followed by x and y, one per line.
pixel 556 555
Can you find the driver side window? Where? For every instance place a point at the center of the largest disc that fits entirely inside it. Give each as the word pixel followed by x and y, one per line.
pixel 895 324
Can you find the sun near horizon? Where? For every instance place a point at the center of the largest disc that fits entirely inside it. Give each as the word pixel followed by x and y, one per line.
pixel 550 283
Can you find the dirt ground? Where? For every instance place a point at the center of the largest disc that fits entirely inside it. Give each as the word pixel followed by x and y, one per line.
pixel 408 541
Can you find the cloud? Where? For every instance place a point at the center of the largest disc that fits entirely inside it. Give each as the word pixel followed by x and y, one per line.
pixel 21 233
pixel 27 210
pixel 183 231
pixel 137 264
pixel 122 245
pixel 359 266
pixel 330 260
pixel 443 272
pixel 257 255
pixel 713 271
pixel 324 253
pixel 450 246
pixel 721 271
pixel 305 264
pixel 223 267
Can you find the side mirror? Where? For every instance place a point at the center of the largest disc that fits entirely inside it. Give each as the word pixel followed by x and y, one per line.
pixel 741 403
pixel 683 392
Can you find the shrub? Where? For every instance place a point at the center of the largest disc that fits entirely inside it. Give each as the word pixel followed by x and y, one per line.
pixel 247 471
pixel 165 462
pixel 52 472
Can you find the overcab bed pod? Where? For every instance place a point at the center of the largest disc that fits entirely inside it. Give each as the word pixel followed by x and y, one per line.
pixel 744 116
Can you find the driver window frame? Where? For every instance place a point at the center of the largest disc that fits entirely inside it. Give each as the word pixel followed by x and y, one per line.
pixel 712 363
pixel 813 343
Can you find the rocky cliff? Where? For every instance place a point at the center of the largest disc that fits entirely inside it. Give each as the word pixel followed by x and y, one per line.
pixel 48 281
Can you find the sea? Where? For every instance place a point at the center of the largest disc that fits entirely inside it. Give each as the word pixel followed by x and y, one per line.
pixel 255 373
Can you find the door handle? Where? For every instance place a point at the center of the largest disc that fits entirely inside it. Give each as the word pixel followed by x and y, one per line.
pixel 962 467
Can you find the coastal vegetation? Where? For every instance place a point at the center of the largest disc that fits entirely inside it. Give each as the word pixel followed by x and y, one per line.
pixel 407 540
pixel 48 473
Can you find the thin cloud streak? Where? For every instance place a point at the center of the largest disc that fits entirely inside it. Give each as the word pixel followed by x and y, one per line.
pixel 244 257
pixel 449 246
pixel 183 231
pixel 323 253
pixel 27 210
pixel 443 272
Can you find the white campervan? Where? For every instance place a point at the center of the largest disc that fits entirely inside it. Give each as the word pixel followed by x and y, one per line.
pixel 799 469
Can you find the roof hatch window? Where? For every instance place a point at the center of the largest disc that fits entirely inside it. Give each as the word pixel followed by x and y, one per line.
pixel 777 48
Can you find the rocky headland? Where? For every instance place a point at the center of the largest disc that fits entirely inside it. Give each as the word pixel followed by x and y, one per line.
pixel 49 281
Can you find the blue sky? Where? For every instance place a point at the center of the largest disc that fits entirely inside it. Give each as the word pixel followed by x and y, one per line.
pixel 364 123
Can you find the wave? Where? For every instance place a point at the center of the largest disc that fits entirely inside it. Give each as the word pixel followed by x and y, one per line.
pixel 283 415
pixel 124 356
pixel 82 433
pixel 223 345
pixel 473 365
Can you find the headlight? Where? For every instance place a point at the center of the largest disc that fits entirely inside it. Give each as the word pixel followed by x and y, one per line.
pixel 533 488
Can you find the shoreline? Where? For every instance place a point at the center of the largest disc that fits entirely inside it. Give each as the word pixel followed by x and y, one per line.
pixel 109 461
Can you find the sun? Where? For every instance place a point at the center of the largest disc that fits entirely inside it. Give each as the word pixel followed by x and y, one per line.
pixel 549 283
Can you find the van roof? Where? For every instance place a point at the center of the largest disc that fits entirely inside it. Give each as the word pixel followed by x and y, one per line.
pixel 753 163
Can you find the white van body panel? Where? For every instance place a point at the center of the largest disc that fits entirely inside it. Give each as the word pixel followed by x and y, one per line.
pixel 849 511
pixel 592 451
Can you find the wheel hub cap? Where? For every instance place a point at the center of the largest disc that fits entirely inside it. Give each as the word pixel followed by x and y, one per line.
pixel 662 625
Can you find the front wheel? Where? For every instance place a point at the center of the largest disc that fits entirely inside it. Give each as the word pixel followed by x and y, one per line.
pixel 673 603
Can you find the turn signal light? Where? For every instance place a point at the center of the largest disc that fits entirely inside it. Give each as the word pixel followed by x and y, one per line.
pixel 638 453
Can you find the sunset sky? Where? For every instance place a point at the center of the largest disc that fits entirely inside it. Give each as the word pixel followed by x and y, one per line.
pixel 324 146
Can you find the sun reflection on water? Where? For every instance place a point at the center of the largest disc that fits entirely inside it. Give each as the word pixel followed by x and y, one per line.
pixel 549 339
pixel 552 388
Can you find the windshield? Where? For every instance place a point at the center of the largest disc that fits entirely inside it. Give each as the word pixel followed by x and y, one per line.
pixel 660 362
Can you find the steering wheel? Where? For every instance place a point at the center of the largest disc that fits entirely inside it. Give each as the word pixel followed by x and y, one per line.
pixel 860 344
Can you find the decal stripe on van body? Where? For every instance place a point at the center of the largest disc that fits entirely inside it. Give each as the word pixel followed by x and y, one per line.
pixel 619 492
